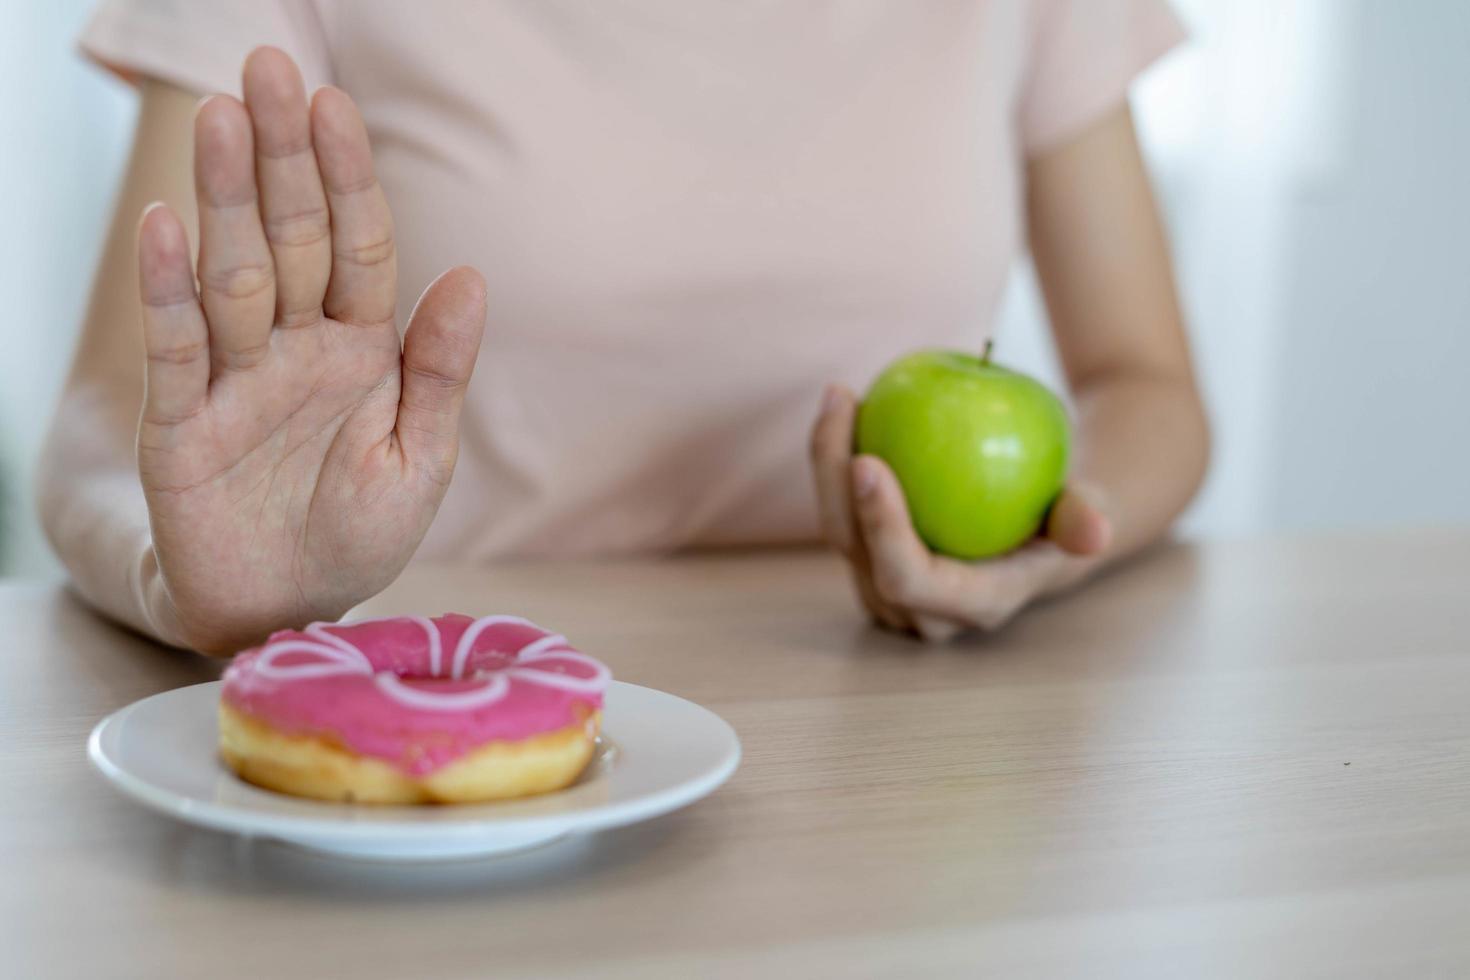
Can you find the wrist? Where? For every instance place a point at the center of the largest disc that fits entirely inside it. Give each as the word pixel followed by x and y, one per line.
pixel 205 626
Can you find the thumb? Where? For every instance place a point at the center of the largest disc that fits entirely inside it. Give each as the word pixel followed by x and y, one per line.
pixel 1076 525
pixel 439 351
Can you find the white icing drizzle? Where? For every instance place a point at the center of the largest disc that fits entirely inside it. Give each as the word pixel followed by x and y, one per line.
pixel 554 678
pixel 334 660
pixel 338 656
pixel 536 648
pixel 472 633
pixel 436 645
pixel 318 632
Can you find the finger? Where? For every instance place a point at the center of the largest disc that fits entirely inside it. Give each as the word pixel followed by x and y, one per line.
pixel 905 571
pixel 363 284
pixel 293 205
pixel 439 352
pixel 901 562
pixel 831 456
pixel 984 594
pixel 1076 525
pixel 236 274
pixel 174 333
pixel 883 613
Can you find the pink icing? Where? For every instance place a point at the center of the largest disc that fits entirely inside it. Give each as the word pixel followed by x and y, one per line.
pixel 415 692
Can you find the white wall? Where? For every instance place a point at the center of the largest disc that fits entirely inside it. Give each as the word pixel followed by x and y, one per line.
pixel 1375 312
pixel 1313 157
pixel 64 131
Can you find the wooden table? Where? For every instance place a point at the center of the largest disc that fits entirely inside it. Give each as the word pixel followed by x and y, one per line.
pixel 1238 760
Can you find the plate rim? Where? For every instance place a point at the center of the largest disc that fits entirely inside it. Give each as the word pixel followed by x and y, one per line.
pixel 232 818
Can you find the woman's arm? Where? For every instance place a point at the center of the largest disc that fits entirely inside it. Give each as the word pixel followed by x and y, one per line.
pixel 1143 441
pixel 90 499
pixel 1103 262
pixel 264 451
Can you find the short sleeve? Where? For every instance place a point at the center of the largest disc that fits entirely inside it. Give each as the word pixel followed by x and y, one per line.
pixel 200 45
pixel 1083 56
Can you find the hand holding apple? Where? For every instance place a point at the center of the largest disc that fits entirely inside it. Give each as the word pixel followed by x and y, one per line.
pixel 902 582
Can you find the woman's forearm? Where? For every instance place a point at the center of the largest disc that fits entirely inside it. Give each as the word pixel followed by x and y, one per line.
pixel 1102 259
pixel 1142 449
pixel 92 509
pixel 91 502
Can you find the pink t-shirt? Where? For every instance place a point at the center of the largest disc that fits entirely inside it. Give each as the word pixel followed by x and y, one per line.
pixel 691 214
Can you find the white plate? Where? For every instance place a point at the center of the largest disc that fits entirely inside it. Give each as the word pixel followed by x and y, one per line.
pixel 658 753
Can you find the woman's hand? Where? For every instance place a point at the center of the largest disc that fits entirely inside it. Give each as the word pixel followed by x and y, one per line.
pixel 902 584
pixel 292 452
pixel 1142 439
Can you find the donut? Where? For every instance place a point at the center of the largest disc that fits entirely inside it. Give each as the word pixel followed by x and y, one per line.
pixel 412 710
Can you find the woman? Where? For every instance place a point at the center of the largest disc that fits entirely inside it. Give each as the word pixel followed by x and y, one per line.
pixel 689 217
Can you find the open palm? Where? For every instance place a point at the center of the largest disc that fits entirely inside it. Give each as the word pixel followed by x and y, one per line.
pixel 291 451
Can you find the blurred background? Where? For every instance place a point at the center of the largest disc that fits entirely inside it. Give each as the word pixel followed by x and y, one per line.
pixel 1312 157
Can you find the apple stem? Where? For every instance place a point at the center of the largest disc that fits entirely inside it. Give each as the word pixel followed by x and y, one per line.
pixel 985 354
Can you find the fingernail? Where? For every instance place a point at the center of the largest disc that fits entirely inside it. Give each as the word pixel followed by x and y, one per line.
pixel 864 477
pixel 829 398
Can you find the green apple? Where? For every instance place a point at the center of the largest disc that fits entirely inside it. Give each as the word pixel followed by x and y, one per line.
pixel 981 451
